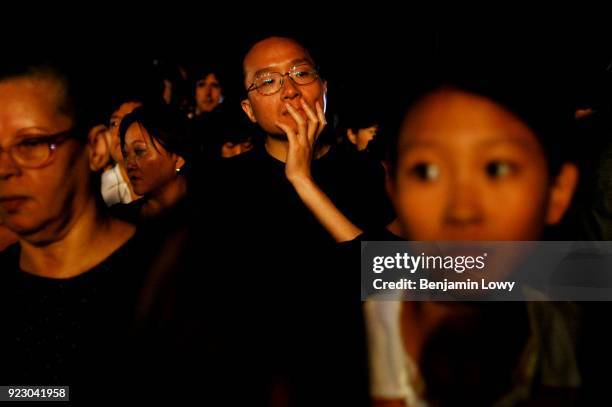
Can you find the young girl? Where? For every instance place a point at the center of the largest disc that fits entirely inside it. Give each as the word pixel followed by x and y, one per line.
pixel 474 160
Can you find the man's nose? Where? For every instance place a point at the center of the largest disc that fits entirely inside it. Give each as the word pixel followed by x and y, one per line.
pixel 289 89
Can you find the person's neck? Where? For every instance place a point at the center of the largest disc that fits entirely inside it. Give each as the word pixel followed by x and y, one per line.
pixel 165 198
pixel 278 149
pixel 84 241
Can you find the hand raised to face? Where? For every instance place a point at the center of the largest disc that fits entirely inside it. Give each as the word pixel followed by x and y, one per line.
pixel 302 141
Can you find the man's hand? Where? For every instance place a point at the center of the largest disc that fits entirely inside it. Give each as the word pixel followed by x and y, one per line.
pixel 301 144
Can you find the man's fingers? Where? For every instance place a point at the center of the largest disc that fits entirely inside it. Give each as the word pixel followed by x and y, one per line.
pixel 299 120
pixel 320 113
pixel 313 121
pixel 288 131
pixel 321 116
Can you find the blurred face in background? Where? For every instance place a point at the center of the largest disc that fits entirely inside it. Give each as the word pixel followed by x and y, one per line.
pixel 362 137
pixel 468 169
pixel 207 94
pixel 114 143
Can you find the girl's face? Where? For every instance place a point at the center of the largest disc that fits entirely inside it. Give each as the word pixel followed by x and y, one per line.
pixel 470 170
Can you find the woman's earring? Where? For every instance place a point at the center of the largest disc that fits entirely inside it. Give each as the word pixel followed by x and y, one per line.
pixel 178 170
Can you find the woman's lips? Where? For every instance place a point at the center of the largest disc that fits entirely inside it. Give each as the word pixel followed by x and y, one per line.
pixel 134 178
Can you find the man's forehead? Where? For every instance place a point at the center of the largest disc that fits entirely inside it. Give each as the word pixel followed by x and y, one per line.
pixel 283 65
pixel 270 55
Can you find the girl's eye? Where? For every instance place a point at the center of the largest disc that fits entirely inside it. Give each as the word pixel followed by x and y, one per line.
pixel 426 171
pixel 499 169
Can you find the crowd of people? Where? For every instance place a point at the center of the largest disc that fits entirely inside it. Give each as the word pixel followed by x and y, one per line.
pixel 166 239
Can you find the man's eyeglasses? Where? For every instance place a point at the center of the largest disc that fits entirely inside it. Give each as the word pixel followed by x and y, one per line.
pixel 268 83
pixel 36 151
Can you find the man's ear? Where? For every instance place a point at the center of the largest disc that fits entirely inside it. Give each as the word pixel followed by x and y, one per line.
pixel 99 151
pixel 561 193
pixel 248 109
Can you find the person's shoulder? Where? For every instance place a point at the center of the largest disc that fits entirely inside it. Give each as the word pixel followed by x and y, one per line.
pixel 135 256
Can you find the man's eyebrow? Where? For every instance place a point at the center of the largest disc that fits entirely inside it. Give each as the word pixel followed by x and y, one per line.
pixel 300 61
pixel 261 71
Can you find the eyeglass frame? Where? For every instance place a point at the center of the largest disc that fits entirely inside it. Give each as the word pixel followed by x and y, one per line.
pixel 314 70
pixel 52 141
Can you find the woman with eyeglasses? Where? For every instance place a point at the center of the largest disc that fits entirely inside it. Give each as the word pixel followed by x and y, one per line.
pixel 68 287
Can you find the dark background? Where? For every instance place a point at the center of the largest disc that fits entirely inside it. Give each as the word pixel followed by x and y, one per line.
pixel 370 51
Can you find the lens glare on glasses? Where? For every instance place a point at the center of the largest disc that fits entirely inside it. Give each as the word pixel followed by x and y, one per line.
pixel 269 83
pixel 36 151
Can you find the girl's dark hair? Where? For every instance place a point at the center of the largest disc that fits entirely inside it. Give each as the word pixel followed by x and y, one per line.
pixel 539 99
pixel 164 124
